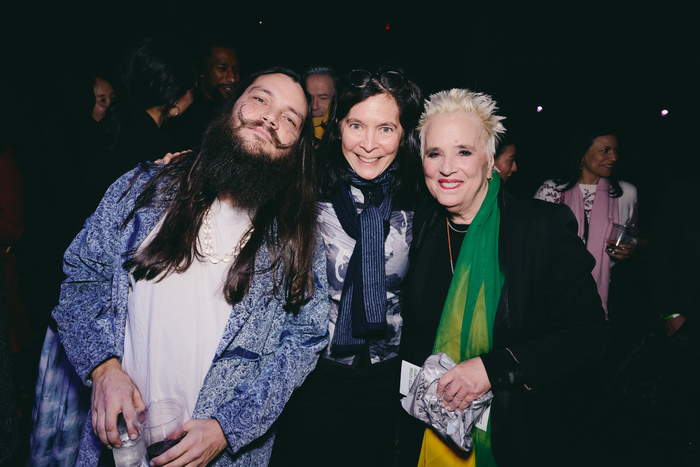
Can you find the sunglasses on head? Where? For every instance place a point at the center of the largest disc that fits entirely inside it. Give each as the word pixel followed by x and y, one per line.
pixel 391 80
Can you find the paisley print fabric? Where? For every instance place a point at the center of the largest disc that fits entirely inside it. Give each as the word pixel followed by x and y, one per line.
pixel 264 354
pixel 60 409
pixel 339 247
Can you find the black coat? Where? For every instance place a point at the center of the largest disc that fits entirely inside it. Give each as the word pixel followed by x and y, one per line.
pixel 549 318
pixel 141 141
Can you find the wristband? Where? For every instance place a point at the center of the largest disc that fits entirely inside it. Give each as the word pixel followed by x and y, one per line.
pixel 674 315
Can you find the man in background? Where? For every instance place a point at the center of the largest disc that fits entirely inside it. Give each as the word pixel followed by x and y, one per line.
pixel 220 72
pixel 321 84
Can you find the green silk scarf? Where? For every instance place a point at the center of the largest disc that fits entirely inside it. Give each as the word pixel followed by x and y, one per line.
pixel 466 325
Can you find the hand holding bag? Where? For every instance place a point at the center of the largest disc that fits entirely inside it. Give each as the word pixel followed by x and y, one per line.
pixel 423 403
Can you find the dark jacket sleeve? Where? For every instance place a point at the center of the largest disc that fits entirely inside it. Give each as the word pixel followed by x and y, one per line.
pixel 550 319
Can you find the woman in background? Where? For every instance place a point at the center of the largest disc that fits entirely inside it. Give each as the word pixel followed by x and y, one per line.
pixel 502 286
pixel 158 75
pixel 104 95
pixel 505 163
pixel 597 199
pixel 157 79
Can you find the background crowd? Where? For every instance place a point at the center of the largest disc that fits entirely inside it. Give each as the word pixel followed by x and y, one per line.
pixel 581 69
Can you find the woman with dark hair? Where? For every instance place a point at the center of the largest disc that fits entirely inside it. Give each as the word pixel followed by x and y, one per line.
pixel 103 97
pixel 157 78
pixel 67 153
pixel 597 199
pixel 369 185
pixel 504 159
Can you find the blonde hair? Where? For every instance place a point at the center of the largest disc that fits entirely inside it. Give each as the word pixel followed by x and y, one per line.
pixel 465 101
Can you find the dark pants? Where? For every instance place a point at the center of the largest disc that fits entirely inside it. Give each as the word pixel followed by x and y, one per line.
pixel 341 416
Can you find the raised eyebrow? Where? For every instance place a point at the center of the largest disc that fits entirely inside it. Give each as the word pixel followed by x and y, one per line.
pixel 260 88
pixel 293 110
pixel 272 94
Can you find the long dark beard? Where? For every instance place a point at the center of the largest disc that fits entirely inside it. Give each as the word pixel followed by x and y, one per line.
pixel 245 173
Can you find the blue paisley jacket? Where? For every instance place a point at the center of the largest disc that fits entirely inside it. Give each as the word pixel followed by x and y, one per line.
pixel 264 354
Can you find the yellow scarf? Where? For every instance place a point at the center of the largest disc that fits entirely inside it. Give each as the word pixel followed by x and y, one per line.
pixel 466 325
pixel 320 124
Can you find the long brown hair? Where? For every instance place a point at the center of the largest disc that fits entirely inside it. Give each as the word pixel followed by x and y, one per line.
pixel 287 223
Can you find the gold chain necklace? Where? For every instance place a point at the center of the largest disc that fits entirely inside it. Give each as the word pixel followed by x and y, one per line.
pixel 449 242
pixel 449 246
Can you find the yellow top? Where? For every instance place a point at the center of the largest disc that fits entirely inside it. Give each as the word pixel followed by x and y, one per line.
pixel 320 124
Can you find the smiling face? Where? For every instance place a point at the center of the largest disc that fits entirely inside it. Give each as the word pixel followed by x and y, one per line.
pixel 455 164
pixel 221 73
pixel 270 114
pixel 371 135
pixel 104 94
pixel 599 160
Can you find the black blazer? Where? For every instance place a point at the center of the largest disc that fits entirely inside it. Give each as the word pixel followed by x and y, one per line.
pixel 549 323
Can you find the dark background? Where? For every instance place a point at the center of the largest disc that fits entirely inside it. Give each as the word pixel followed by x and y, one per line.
pixel 620 61
pixel 624 61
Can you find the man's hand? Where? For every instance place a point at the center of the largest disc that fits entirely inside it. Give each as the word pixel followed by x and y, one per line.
pixel 204 441
pixel 113 393
pixel 463 384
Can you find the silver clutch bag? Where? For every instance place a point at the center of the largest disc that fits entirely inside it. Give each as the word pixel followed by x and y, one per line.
pixel 423 403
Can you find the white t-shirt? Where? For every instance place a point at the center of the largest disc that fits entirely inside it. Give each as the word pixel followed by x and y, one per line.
pixel 174 324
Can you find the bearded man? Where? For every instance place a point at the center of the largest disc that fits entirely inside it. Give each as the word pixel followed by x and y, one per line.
pixel 204 280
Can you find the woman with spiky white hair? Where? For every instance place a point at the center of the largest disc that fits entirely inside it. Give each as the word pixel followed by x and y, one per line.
pixel 503 286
